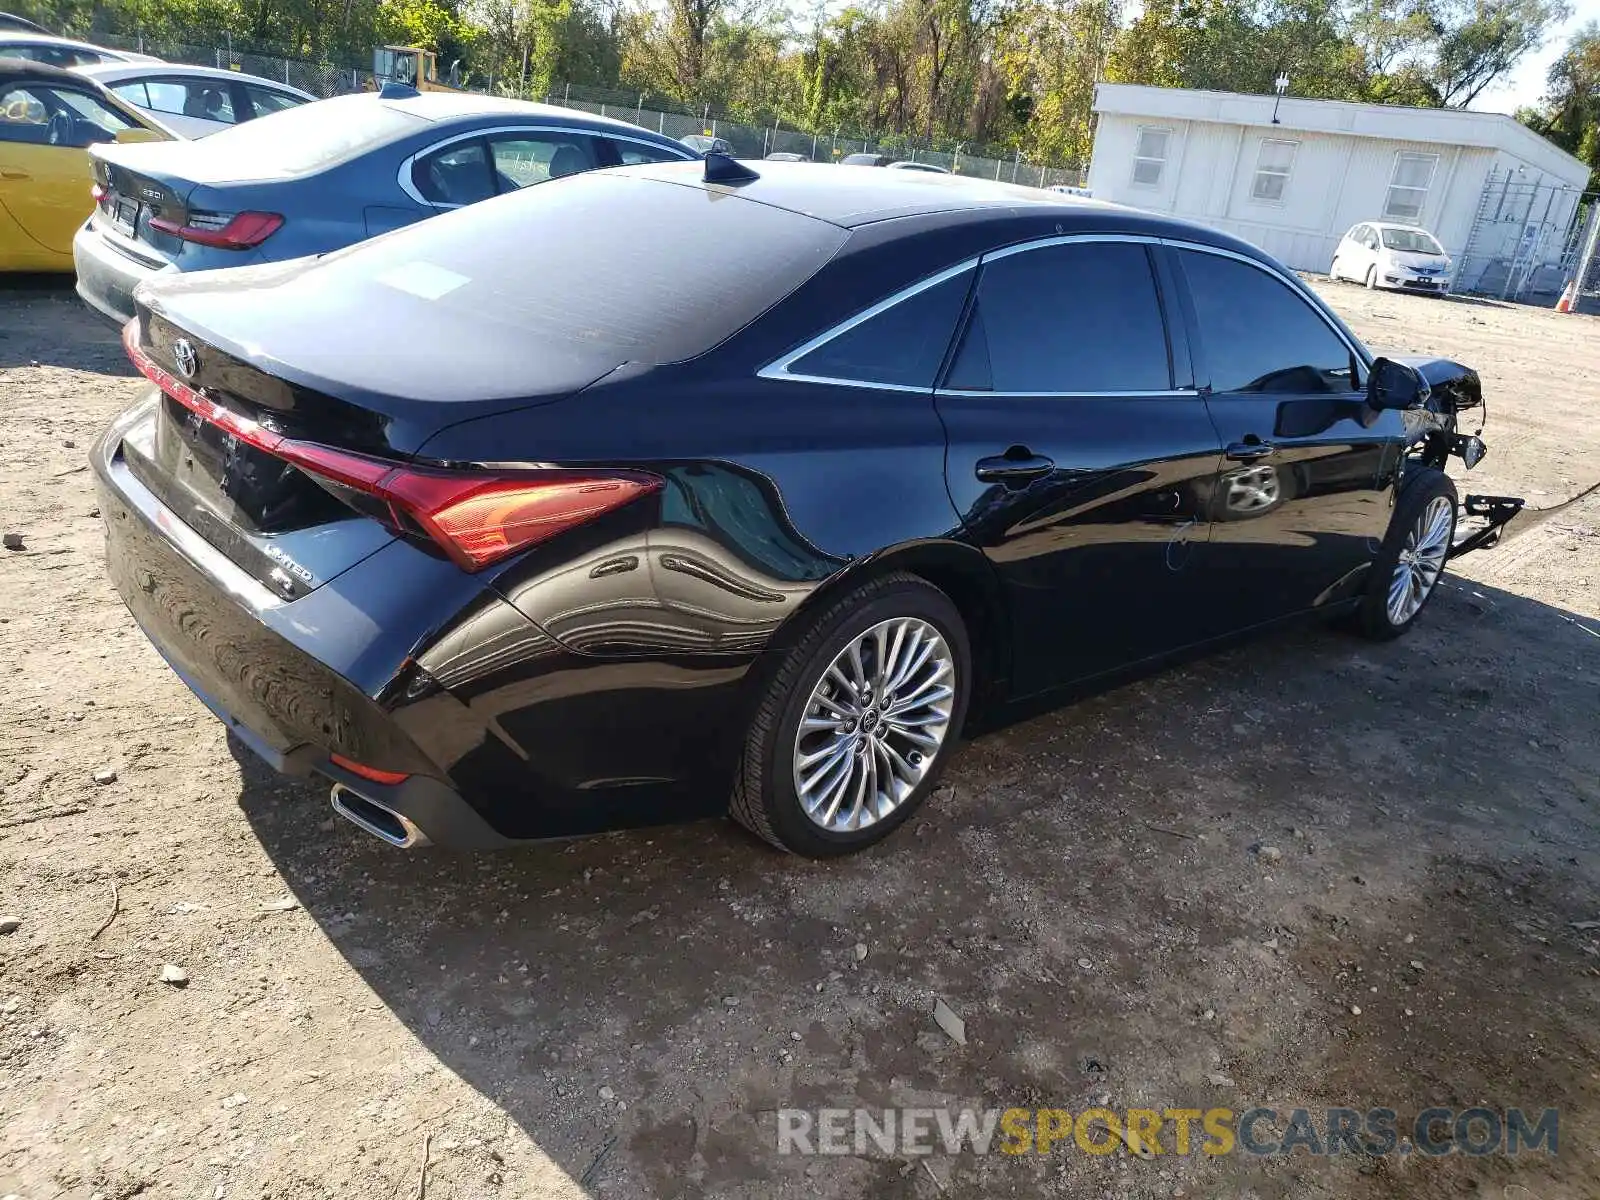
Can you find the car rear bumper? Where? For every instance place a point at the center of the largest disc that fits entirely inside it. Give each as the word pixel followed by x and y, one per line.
pixel 407 665
pixel 227 638
pixel 106 275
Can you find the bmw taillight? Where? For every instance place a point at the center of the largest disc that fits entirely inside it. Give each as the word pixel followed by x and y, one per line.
pixel 225 231
pixel 476 517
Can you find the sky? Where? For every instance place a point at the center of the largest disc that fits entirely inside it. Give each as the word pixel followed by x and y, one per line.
pixel 1525 85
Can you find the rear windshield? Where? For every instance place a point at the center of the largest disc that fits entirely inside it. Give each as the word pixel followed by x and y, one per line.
pixel 647 271
pixel 1414 240
pixel 308 138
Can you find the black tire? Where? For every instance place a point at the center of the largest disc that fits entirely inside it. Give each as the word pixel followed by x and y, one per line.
pixel 765 800
pixel 1372 279
pixel 1373 617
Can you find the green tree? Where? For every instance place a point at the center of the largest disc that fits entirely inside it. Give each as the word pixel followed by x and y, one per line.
pixel 1570 113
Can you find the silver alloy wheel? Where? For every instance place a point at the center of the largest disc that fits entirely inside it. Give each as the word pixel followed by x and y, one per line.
pixel 874 724
pixel 1421 560
pixel 1253 489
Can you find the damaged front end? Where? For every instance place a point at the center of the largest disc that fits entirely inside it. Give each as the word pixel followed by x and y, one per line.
pixel 1441 391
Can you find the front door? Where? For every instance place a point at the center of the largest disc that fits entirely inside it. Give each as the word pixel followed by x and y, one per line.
pixel 45 175
pixel 1298 506
pixel 1079 456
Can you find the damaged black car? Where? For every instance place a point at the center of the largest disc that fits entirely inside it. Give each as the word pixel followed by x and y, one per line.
pixel 555 515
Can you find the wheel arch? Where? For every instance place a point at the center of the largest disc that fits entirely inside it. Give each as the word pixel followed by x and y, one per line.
pixel 958 570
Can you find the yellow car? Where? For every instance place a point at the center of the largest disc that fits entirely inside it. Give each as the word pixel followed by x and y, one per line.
pixel 48 119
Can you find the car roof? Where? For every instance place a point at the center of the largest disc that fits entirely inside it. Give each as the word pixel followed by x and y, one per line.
pixel 850 196
pixel 121 72
pixel 912 201
pixel 450 106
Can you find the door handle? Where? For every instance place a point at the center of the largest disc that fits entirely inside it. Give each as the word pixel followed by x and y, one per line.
pixel 1016 465
pixel 1250 449
pixel 13 173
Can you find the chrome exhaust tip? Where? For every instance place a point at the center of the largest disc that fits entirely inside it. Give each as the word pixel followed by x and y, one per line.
pixel 377 820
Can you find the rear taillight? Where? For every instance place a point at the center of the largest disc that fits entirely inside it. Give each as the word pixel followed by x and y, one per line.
pixel 226 231
pixel 476 517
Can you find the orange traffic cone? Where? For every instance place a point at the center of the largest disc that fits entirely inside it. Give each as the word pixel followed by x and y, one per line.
pixel 1569 297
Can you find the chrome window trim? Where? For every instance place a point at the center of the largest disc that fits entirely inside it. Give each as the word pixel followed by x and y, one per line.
pixel 403 178
pixel 779 368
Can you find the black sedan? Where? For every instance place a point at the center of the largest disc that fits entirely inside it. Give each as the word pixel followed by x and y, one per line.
pixel 552 516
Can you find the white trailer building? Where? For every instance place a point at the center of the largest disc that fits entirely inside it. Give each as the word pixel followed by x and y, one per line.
pixel 1501 199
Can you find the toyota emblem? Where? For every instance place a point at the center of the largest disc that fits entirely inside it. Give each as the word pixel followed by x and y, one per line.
pixel 184 356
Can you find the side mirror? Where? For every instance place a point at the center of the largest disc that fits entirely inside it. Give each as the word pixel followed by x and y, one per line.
pixel 1394 385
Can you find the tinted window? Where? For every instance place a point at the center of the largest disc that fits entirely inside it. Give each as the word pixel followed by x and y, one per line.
pixel 904 344
pixel 659 287
pixel 458 174
pixel 633 153
pixel 524 158
pixel 1259 335
pixel 1079 317
pixel 264 100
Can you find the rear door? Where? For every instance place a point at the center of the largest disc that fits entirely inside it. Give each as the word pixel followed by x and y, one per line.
pixel 1079 453
pixel 1297 505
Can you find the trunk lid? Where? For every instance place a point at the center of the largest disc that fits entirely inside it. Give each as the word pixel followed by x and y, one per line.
pixel 352 389
pixel 347 359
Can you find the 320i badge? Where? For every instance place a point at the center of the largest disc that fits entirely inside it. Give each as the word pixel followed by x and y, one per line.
pixel 552 515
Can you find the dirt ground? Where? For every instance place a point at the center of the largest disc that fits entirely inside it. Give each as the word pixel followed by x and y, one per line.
pixel 1094 892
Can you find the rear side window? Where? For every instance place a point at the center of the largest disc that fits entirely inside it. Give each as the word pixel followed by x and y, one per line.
pixel 1076 317
pixel 264 100
pixel 903 345
pixel 1258 335
pixel 634 153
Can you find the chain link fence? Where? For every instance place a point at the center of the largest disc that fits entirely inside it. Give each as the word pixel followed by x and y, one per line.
pixel 759 139
pixel 749 139
pixel 320 79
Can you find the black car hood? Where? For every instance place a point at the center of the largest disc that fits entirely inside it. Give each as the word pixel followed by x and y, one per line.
pixel 375 343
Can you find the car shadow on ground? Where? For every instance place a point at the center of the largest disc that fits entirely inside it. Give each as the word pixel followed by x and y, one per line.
pixel 48 325
pixel 1091 889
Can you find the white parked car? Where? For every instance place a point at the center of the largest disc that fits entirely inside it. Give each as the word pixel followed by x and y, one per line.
pixel 1393 256
pixel 195 101
pixel 61 52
